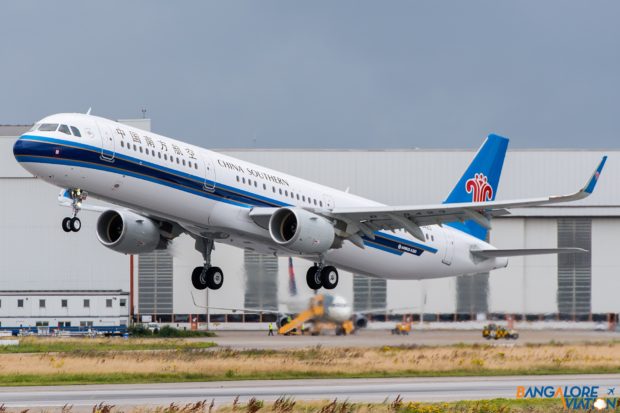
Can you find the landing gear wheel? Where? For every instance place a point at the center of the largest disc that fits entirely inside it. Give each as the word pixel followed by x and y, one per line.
pixel 199 280
pixel 329 277
pixel 75 224
pixel 313 277
pixel 215 278
pixel 65 224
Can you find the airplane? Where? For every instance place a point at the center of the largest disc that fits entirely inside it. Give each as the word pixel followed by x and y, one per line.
pixel 164 187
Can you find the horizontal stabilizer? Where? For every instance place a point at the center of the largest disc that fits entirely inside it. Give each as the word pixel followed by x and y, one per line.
pixel 527 251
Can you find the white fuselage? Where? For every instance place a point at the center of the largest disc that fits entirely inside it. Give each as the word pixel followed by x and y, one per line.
pixel 211 195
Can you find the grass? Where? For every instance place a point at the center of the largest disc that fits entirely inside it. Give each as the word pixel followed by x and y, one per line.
pixel 79 345
pixel 97 361
pixel 17 379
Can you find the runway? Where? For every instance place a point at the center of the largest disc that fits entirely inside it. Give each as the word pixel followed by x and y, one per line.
pixel 354 390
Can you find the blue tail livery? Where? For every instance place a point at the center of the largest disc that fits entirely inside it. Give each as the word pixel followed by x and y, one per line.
pixel 480 181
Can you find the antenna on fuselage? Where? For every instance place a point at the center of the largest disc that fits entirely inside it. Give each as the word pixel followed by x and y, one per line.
pixel 88 111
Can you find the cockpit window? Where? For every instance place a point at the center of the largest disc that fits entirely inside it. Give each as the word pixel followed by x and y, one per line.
pixel 34 127
pixel 76 131
pixel 48 127
pixel 64 129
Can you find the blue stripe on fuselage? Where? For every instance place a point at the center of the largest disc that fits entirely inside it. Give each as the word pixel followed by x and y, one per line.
pixel 39 149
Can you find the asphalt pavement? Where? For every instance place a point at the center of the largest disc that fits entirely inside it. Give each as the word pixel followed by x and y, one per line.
pixel 83 397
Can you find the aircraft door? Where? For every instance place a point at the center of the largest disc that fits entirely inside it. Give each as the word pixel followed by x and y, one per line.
pixel 209 184
pixel 449 246
pixel 107 142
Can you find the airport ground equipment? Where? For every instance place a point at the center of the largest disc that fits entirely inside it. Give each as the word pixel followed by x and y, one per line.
pixel 316 315
pixel 496 332
pixel 403 328
pixel 316 310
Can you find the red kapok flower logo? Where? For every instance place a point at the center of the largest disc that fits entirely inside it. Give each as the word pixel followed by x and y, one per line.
pixel 479 187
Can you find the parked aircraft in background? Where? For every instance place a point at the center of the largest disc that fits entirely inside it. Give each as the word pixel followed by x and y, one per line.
pixel 164 187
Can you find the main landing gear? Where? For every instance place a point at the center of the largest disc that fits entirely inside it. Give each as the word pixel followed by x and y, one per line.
pixel 322 276
pixel 73 223
pixel 207 276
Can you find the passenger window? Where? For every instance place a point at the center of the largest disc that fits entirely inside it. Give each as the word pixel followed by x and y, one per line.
pixel 48 127
pixel 159 155
pixel 303 198
pixel 243 180
pixel 321 204
pixel 122 144
pixel 285 192
pixel 255 184
pixel 237 178
pixel 140 149
pixel 135 148
pixel 183 162
pixel 280 190
pixel 177 160
pixel 76 131
pixel 298 197
pixel 165 157
pixel 273 188
pixel 195 166
pixel 264 187
pixel 314 200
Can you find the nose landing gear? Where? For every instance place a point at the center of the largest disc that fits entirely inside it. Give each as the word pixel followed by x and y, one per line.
pixel 207 276
pixel 73 224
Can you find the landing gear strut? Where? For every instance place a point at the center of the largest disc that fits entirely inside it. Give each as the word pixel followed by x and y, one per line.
pixel 207 276
pixel 322 276
pixel 73 223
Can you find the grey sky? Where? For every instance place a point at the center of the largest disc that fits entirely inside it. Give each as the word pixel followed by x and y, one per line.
pixel 346 74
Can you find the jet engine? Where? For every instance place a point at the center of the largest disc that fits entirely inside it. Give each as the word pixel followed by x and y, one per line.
pixel 360 321
pixel 301 231
pixel 127 232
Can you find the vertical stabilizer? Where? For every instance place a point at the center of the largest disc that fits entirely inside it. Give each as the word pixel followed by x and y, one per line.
pixel 480 181
pixel 292 286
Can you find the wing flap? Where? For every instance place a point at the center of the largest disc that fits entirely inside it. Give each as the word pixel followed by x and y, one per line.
pixel 496 253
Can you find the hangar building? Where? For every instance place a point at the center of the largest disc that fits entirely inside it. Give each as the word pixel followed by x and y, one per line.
pixel 37 257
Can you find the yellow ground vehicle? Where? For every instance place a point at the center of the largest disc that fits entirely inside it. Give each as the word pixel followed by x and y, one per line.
pixel 403 328
pixel 493 331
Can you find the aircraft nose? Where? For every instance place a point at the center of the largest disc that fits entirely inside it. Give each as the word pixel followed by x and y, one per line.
pixel 18 148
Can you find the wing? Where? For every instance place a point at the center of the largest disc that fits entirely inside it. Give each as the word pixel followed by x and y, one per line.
pixel 364 221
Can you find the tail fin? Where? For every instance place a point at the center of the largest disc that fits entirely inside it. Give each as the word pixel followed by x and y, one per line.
pixel 480 181
pixel 292 286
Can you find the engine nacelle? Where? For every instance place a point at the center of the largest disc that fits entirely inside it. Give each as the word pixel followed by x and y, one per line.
pixel 127 232
pixel 301 231
pixel 360 321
